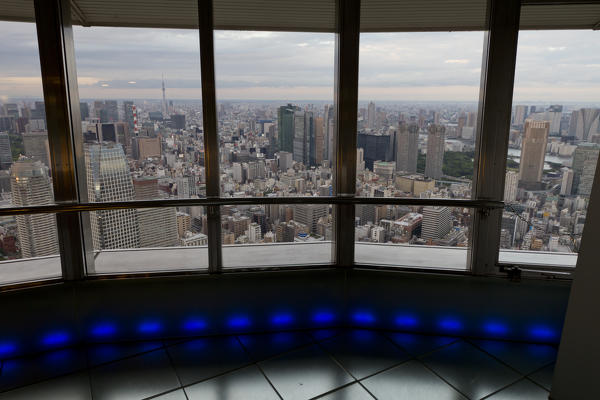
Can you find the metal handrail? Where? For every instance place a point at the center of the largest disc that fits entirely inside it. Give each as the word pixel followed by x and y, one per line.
pixel 222 201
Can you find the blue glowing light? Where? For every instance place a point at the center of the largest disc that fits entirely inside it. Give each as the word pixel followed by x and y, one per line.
pixel 406 321
pixel 363 317
pixel 542 332
pixel 495 328
pixel 7 348
pixel 239 321
pixel 194 324
pixel 57 338
pixel 282 319
pixel 323 317
pixel 104 329
pixel 149 327
pixel 450 324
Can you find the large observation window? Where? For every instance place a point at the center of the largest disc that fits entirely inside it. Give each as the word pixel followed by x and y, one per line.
pixel 29 247
pixel 275 113
pixel 417 114
pixel 554 145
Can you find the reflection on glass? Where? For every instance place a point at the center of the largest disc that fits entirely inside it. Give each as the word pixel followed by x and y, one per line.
pixel 435 237
pixel 276 235
pixel 417 114
pixel 276 119
pixel 553 145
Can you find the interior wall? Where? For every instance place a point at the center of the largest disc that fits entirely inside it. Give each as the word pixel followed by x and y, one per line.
pixel 131 309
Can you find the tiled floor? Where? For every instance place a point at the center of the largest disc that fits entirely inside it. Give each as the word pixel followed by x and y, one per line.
pixel 329 364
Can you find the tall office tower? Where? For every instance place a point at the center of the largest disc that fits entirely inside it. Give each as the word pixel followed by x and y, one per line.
pixel 158 226
pixel 585 159
pixel 566 185
pixel 30 186
pixel 5 151
pixel 360 160
pixel 143 148
pixel 371 116
pixel 285 127
pixel 112 110
pixel 436 222
pixel 511 184
pixel 471 119
pixel 285 161
pixel 178 121
pixel 584 123
pixel 108 179
pixel 377 147
pixel 309 214
pixel 84 110
pixel 128 114
pixel 319 140
pixel 98 107
pixel 39 112
pixel 554 116
pixel 36 146
pixel 329 126
pixel 520 115
pixel 407 149
pixel 436 142
pixel 300 141
pixel 533 150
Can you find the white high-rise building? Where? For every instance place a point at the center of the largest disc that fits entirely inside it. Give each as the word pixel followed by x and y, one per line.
pixel 407 148
pixel 436 141
pixel 566 184
pixel 371 116
pixel 309 214
pixel 30 186
pixel 108 179
pixel 254 234
pixel 436 222
pixel 511 183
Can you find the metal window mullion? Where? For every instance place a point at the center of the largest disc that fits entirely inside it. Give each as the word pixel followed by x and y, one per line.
pixel 495 105
pixel 210 128
pixel 63 119
pixel 346 104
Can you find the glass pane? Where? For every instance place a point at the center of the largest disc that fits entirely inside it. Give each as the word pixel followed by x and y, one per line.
pixel 417 115
pixel 412 236
pixel 28 243
pixel 25 176
pixel 276 235
pixel 141 112
pixel 149 239
pixel 553 148
pixel 276 122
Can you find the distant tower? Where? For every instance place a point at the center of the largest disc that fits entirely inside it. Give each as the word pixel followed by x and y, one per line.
pixel 407 147
pixel 164 98
pixel 136 129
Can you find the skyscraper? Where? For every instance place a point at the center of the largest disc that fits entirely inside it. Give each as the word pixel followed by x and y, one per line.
pixel 309 214
pixel 285 127
pixel 377 147
pixel 566 185
pixel 128 113
pixel 535 139
pixel 5 151
pixel 520 114
pixel 407 149
pixel 371 116
pixel 158 226
pixel 436 222
pixel 319 141
pixel 36 146
pixel 436 142
pixel 511 183
pixel 304 137
pixel 108 179
pixel 585 159
pixel 584 123
pixel 30 186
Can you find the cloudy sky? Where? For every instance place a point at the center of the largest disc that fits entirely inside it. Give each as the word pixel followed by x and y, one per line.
pixel 552 66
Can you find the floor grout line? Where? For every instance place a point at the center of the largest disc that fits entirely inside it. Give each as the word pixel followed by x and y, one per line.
pixel 172 363
pixel 259 367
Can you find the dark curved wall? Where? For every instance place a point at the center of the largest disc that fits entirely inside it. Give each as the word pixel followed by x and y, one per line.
pixel 53 316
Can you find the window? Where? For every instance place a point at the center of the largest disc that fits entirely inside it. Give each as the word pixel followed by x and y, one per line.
pixel 28 243
pixel 553 148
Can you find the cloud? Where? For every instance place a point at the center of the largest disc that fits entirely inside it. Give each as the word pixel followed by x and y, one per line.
pixel 455 61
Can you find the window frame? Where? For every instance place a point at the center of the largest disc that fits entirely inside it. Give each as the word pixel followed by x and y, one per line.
pixel 55 41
